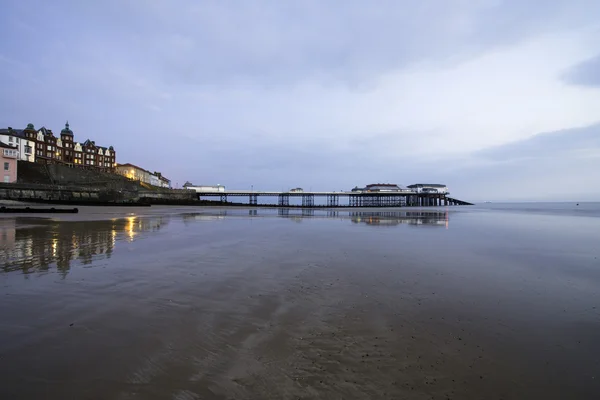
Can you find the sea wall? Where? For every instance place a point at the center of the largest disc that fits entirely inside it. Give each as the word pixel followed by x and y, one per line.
pixel 168 196
pixel 64 194
pixel 56 174
pixel 92 195
pixel 54 183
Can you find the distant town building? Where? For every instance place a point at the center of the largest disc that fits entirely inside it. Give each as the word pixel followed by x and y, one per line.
pixel 163 182
pixel 18 138
pixel 136 173
pixel 96 156
pixel 429 188
pixel 8 162
pixel 204 188
pixel 154 181
pixel 133 172
pixel 43 146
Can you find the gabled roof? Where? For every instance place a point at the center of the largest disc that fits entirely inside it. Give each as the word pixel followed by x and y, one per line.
pixel 45 131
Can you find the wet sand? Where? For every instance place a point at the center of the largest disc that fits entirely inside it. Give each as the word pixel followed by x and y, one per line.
pixel 466 305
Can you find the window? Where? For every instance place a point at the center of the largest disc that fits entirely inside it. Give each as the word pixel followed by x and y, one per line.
pixel 6 166
pixel 48 147
pixel 6 179
pixel 10 138
pixel 27 149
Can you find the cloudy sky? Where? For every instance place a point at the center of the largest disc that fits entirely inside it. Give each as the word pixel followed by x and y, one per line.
pixel 498 99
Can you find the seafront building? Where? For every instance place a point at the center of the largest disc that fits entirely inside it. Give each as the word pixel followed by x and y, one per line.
pixel 16 137
pixel 139 174
pixel 8 162
pixel 43 146
pixel 433 188
pixel 381 187
pixel 205 188
pixel 429 188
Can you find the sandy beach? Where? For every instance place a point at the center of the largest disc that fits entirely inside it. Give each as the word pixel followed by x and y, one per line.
pixel 226 305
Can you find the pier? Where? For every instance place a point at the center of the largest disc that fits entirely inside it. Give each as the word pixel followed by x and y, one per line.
pixel 331 199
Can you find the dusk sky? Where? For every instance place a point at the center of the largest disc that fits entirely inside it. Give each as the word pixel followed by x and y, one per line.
pixel 500 100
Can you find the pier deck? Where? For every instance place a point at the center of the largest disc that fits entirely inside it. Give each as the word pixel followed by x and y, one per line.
pixel 338 199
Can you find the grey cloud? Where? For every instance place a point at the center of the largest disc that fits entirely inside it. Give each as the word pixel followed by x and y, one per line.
pixel 551 144
pixel 586 74
pixel 273 42
pixel 553 166
pixel 563 163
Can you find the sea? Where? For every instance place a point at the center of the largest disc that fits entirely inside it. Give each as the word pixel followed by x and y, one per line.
pixel 493 301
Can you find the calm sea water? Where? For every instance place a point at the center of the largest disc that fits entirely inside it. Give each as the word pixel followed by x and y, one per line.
pixel 497 301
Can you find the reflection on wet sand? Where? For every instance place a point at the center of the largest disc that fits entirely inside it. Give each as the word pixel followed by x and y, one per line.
pixel 36 244
pixel 379 218
pixel 393 218
pixel 192 217
pixel 248 304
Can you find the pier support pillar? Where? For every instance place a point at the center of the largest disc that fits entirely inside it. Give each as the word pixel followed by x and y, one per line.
pixel 308 200
pixel 333 200
pixel 253 199
pixel 284 200
pixel 223 198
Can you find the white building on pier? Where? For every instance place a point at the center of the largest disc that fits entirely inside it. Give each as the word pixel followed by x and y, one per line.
pixel 429 188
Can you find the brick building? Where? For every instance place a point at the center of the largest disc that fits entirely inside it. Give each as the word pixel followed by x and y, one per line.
pixel 51 148
pixel 98 156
